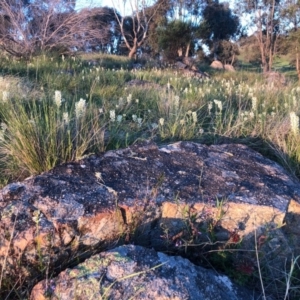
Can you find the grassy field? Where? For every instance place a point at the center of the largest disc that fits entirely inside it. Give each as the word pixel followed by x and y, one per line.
pixel 58 109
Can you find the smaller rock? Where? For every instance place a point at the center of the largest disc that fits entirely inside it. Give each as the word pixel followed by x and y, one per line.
pixel 134 272
pixel 188 69
pixel 229 68
pixel 188 61
pixel 180 65
pixel 217 65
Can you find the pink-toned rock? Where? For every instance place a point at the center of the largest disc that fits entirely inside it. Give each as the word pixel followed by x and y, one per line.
pixel 217 65
pixel 229 68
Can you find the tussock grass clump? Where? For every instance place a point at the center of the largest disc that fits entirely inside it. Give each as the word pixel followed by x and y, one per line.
pixel 36 135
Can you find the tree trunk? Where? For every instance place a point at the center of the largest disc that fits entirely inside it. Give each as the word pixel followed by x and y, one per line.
pixel 232 59
pixel 179 51
pixel 140 23
pixel 270 62
pixel 132 52
pixel 272 38
pixel 265 68
pixel 133 49
pixel 215 49
pixel 297 63
pixel 260 40
pixel 264 62
pixel 187 49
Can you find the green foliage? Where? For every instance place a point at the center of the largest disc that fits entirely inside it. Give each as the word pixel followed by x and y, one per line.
pixel 39 134
pixel 175 37
pixel 219 23
pixel 106 61
pixel 227 51
pixel 249 52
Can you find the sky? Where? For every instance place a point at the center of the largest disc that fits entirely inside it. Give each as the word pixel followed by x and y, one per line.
pixel 86 3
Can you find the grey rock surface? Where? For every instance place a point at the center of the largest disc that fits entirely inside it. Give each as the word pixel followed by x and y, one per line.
pixel 134 272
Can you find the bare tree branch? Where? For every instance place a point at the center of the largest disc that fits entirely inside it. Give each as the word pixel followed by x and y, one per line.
pixel 47 25
pixel 140 19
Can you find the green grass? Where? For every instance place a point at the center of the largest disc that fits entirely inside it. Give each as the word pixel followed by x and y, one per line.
pixel 107 61
pixel 35 130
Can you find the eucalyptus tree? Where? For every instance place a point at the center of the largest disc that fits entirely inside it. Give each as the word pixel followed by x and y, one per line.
pixel 218 24
pixel 175 39
pixel 135 23
pixel 177 35
pixel 267 20
pixel 195 22
pixel 291 19
pixel 227 52
pixel 103 30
